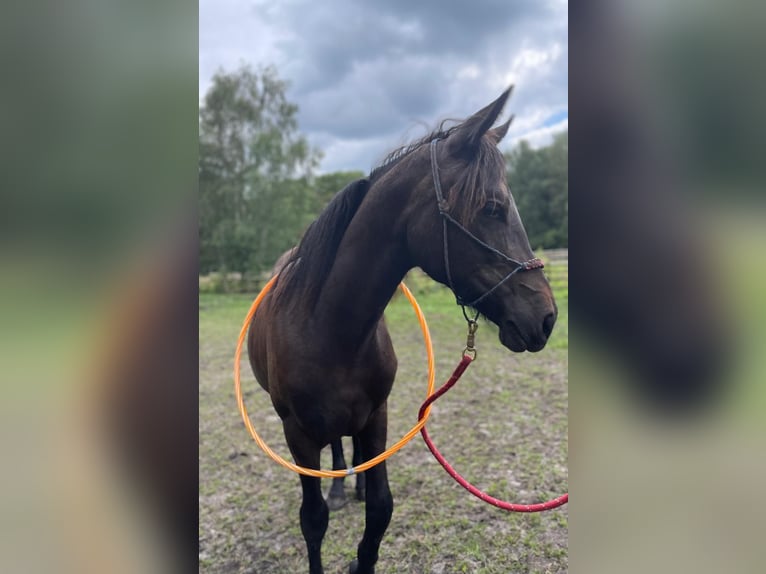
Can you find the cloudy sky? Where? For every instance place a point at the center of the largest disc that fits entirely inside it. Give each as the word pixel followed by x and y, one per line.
pixel 369 76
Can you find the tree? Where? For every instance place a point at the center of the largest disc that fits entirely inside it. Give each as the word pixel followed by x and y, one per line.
pixel 254 171
pixel 539 182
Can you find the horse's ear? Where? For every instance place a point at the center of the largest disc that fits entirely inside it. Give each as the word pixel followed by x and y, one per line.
pixel 467 137
pixel 497 134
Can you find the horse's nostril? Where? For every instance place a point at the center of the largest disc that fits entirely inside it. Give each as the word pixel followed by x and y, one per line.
pixel 548 322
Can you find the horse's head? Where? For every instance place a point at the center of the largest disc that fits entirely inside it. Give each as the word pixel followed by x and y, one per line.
pixel 464 231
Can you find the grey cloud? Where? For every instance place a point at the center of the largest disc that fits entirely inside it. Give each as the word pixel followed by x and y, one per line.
pixel 364 72
pixel 378 98
pixel 326 42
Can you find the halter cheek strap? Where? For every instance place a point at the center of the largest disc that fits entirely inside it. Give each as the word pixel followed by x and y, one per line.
pixel 441 203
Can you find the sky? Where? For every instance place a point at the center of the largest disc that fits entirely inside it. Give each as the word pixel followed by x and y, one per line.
pixel 370 76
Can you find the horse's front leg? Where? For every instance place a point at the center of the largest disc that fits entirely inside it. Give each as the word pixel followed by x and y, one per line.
pixel 314 513
pixel 336 498
pixel 379 502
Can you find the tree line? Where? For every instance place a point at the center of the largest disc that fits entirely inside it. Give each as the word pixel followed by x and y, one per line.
pixel 259 189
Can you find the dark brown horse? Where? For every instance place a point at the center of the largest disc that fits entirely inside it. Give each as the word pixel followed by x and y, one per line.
pixel 318 343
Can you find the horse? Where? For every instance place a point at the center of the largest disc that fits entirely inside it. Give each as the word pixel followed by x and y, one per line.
pixel 318 343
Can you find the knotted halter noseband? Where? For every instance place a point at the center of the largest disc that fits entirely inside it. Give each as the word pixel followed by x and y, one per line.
pixel 534 263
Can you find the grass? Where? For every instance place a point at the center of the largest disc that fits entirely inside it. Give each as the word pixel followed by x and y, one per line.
pixel 504 427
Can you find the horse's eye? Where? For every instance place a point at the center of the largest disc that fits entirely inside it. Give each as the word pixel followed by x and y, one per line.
pixel 494 209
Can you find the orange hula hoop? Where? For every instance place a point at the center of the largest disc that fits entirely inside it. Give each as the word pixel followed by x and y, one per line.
pixel 360 467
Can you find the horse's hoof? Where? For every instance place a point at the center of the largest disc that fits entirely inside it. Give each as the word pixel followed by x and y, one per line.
pixel 336 502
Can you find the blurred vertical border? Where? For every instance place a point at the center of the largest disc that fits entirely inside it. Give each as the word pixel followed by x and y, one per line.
pixel 667 284
pixel 98 288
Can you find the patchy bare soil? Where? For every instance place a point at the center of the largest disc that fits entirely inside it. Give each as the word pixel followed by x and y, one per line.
pixel 504 427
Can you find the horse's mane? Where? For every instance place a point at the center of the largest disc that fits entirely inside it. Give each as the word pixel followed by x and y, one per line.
pixel 309 264
pixel 468 188
pixel 307 268
pixel 440 133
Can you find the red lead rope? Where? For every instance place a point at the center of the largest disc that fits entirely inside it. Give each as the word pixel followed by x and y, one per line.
pixel 548 505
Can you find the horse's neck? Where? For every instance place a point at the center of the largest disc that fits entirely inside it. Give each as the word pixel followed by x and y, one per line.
pixel 372 260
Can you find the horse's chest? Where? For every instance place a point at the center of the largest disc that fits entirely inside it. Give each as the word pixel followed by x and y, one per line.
pixel 338 400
